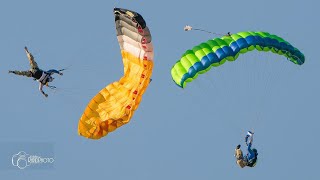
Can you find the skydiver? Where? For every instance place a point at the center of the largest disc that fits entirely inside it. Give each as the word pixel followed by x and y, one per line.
pixel 228 34
pixel 43 77
pixel 251 157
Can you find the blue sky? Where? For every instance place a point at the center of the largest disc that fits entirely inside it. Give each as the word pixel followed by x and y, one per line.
pixel 176 133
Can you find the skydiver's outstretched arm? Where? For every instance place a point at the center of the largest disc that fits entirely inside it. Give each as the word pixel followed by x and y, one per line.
pixel 32 62
pixel 22 73
pixel 40 89
pixel 52 71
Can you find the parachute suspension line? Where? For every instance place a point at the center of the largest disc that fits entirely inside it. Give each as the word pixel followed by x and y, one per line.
pixel 213 81
pixel 289 54
pixel 200 88
pixel 189 28
pixel 256 80
pixel 73 102
pixel 272 81
pixel 74 91
pixel 70 98
pixel 253 83
pixel 66 68
pixel 270 76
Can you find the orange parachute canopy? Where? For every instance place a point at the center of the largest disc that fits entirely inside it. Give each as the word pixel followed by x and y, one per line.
pixel 114 105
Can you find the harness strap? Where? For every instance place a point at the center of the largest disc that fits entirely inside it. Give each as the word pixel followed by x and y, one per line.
pixel 44 77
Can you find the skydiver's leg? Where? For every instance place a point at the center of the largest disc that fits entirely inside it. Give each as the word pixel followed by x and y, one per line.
pixel 250 154
pixel 22 73
pixel 239 156
pixel 249 148
pixel 249 134
pixel 32 62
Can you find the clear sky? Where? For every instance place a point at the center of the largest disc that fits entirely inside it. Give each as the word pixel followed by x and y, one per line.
pixel 176 133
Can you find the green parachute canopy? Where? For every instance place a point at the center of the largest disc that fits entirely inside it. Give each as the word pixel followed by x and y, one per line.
pixel 217 51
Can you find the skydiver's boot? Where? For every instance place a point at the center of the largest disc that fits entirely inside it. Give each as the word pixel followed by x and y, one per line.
pixel 238 147
pixel 26 49
pixel 250 133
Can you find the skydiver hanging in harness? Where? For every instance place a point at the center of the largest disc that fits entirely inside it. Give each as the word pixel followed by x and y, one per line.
pixel 43 77
pixel 251 157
